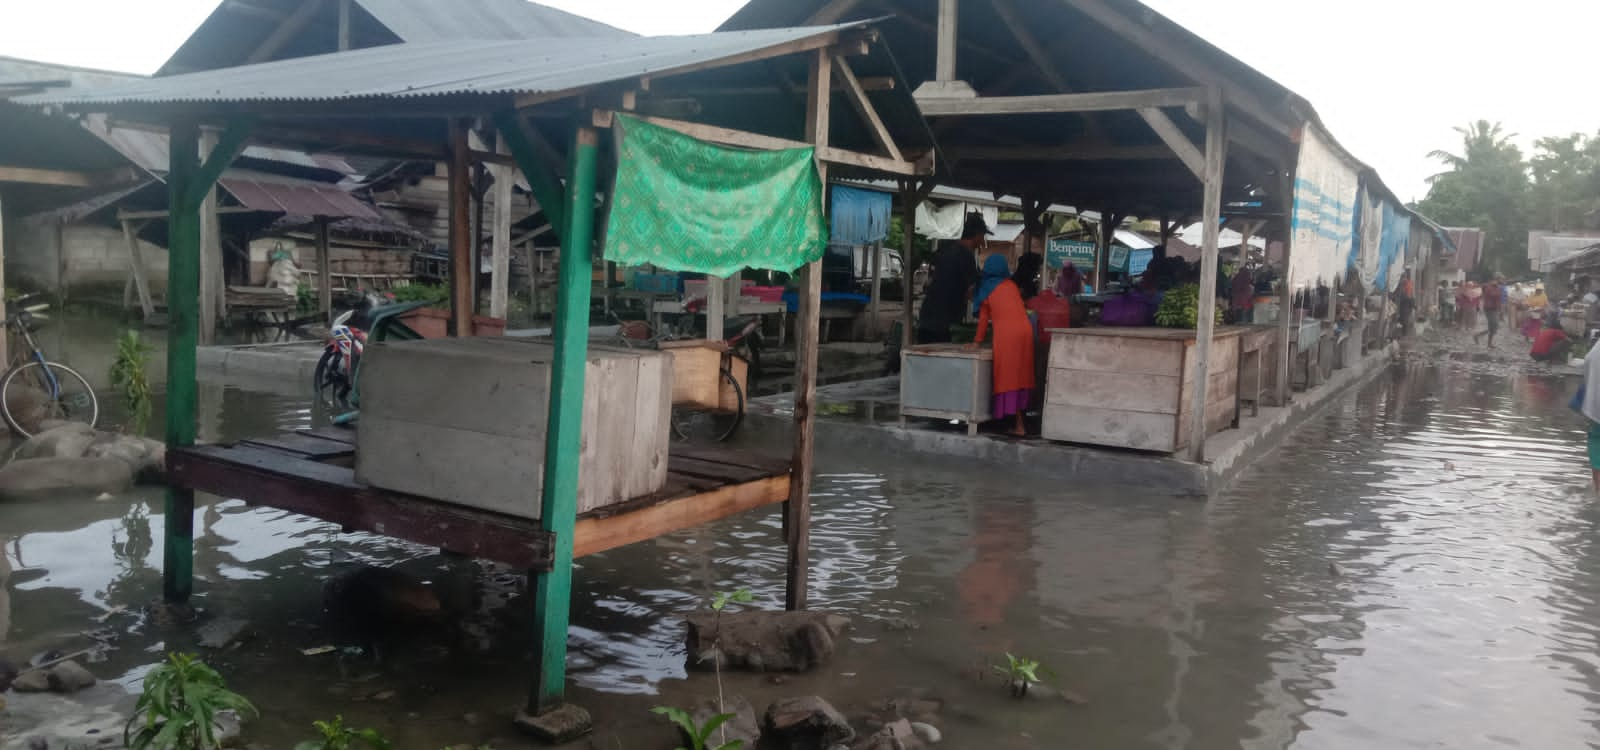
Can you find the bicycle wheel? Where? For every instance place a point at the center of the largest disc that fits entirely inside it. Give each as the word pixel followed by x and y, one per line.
pixel 330 382
pixel 33 393
pixel 697 424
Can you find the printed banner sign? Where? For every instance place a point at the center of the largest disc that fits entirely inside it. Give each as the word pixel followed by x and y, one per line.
pixel 1081 254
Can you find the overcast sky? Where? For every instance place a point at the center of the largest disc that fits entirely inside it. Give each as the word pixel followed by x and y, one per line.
pixel 1389 77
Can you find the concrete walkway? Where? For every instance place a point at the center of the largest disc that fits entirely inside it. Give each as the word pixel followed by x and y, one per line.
pixel 865 416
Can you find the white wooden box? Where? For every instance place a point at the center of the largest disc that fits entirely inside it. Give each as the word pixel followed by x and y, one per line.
pixel 947 381
pixel 464 421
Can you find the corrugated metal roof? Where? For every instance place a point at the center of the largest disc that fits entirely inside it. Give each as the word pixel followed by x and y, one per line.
pixel 433 21
pixel 294 197
pixel 441 68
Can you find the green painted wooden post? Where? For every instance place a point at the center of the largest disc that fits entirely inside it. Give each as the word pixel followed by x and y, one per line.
pixel 540 174
pixel 183 334
pixel 559 507
pixel 188 182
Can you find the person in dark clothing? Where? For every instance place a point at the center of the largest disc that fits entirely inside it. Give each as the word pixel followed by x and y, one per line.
pixel 1027 275
pixel 955 272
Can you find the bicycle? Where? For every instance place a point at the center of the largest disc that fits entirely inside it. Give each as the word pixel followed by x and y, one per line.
pixel 35 389
pixel 698 423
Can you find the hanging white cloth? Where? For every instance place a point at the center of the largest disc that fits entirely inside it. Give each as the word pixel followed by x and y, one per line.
pixel 945 222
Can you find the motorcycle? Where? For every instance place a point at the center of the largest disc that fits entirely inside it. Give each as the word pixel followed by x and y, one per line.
pixel 333 381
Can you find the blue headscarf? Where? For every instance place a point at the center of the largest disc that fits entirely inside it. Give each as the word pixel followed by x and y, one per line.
pixel 995 270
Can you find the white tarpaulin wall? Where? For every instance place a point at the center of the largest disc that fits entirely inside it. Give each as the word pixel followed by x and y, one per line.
pixel 1324 207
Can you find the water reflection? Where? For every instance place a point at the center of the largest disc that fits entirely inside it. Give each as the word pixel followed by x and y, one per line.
pixel 1417 567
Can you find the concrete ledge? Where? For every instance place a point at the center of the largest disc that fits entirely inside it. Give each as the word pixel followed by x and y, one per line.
pixel 1229 452
pixel 288 363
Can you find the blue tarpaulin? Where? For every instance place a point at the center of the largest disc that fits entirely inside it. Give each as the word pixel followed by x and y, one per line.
pixel 860 217
pixel 1392 249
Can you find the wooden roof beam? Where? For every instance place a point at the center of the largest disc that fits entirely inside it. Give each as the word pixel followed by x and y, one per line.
pixel 285 31
pixel 831 13
pixel 1176 140
pixel 863 106
pixel 64 177
pixel 742 139
pixel 1041 59
pixel 1087 152
pixel 1171 52
pixel 1055 103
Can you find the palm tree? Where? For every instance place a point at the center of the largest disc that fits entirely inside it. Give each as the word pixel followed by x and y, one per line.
pixel 1481 140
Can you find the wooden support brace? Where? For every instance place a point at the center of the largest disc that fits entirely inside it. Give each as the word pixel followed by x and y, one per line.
pixel 1099 101
pixel 863 107
pixel 1175 140
pixel 541 174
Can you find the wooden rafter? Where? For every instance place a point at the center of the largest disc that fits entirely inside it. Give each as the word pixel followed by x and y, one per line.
pixel 285 31
pixel 1175 139
pixel 863 106
pixel 831 13
pixel 64 177
pixel 742 139
pixel 1086 152
pixel 1181 60
pixel 1052 103
pixel 1041 59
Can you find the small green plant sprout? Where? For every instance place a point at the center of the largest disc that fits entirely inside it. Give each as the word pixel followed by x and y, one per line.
pixel 178 709
pixel 130 376
pixel 1020 673
pixel 337 736
pixel 699 734
pixel 721 601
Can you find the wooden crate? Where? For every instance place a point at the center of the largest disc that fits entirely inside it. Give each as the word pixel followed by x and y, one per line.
pixel 1133 387
pixel 696 372
pixel 464 421
pixel 947 381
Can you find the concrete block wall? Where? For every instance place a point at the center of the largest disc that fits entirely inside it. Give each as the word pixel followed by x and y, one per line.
pixel 48 256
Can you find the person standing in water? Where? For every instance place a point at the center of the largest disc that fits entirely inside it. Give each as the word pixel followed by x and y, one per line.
pixel 955 271
pixel 1000 304
pixel 1493 301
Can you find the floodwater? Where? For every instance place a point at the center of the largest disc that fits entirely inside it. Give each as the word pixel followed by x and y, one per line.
pixel 1417 567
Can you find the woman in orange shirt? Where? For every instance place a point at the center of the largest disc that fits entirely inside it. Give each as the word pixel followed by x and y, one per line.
pixel 1000 303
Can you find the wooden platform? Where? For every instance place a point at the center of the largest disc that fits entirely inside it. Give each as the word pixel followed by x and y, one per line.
pixel 310 472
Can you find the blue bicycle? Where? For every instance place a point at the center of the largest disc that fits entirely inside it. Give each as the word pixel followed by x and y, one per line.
pixel 36 390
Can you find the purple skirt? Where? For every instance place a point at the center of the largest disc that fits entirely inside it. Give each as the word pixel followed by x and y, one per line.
pixel 1011 402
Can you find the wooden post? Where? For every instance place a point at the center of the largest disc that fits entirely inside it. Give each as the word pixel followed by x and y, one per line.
pixel 908 226
pixel 500 242
pixel 462 275
pixel 136 270
pixel 184 312
pixel 344 25
pixel 945 65
pixel 1211 218
pixel 4 355
pixel 1102 253
pixel 559 504
pixel 213 289
pixel 797 509
pixel 873 304
pixel 324 271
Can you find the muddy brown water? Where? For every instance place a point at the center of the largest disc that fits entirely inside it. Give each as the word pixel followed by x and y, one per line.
pixel 1417 567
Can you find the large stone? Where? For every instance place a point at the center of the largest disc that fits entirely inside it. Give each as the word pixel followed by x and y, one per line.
pixel 36 681
pixel 743 727
pixel 147 457
pixel 557 726
pixel 898 735
pixel 763 641
pixel 807 722
pixel 36 477
pixel 70 677
pixel 222 632
pixel 61 440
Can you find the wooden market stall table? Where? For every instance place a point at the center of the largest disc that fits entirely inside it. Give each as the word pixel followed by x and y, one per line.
pixel 1132 387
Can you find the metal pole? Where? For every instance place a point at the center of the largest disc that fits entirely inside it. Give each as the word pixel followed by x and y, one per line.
pixel 1211 218
pixel 559 504
pixel 183 332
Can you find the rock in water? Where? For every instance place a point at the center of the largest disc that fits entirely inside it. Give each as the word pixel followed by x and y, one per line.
pixel 70 677
pixel 898 735
pixel 743 727
pixel 370 602
pixel 8 672
pixel 808 722
pixel 61 440
pixel 147 457
pixel 36 681
pixel 36 477
pixel 763 641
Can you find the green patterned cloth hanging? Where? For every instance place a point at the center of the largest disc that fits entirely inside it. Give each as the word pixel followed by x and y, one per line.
pixel 687 205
